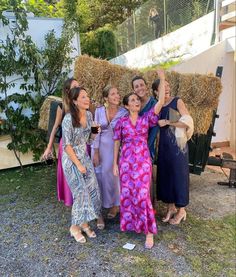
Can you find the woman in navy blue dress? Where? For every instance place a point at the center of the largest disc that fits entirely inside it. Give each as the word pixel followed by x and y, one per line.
pixel 172 165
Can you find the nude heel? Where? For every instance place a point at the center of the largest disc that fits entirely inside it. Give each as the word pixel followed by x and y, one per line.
pixel 177 220
pixel 77 235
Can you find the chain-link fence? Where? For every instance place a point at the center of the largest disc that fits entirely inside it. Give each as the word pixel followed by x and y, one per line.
pixel 156 18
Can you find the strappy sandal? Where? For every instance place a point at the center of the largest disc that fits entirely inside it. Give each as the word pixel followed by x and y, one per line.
pixel 169 215
pixel 90 233
pixel 178 218
pixel 77 234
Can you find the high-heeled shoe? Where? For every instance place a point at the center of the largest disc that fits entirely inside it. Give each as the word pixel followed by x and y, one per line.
pixel 77 235
pixel 90 233
pixel 149 243
pixel 169 215
pixel 178 218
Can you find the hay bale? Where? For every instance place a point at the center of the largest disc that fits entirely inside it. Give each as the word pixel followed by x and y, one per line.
pixel 45 111
pixel 202 118
pixel 95 74
pixel 199 92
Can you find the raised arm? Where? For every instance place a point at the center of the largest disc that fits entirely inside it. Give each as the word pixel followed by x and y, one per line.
pixel 161 99
pixel 57 123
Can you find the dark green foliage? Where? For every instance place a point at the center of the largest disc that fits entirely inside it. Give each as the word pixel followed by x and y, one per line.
pixel 99 44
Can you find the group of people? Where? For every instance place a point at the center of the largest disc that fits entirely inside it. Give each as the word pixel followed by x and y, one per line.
pixel 113 168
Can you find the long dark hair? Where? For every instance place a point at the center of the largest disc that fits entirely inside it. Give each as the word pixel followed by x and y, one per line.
pixel 155 86
pixel 66 92
pixel 74 111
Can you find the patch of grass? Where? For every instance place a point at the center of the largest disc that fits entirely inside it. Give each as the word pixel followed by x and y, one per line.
pixel 141 264
pixel 28 189
pixel 213 243
pixel 166 236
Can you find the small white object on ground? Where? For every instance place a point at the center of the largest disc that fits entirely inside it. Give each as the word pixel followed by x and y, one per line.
pixel 129 246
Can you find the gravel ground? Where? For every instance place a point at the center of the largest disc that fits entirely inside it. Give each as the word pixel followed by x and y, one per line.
pixel 35 241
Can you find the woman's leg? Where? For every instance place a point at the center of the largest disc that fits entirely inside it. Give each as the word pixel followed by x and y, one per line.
pixel 179 216
pixel 171 211
pixel 113 211
pixel 149 241
pixel 100 223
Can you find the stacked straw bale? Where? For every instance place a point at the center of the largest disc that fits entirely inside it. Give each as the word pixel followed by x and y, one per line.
pixel 199 92
pixel 45 111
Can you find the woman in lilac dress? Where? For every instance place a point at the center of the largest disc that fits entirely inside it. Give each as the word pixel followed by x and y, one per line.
pixel 103 148
pixel 135 165
pixel 63 191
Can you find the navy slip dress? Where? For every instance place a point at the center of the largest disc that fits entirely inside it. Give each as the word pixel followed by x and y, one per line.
pixel 172 165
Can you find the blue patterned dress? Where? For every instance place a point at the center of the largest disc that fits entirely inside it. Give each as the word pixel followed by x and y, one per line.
pixel 172 164
pixel 84 187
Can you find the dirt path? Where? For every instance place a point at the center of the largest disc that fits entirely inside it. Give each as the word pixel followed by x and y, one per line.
pixel 35 241
pixel 208 199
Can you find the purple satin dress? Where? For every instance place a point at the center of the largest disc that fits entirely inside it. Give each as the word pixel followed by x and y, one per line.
pixel 108 183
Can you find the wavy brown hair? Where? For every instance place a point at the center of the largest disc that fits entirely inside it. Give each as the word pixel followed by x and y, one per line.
pixel 74 111
pixel 66 92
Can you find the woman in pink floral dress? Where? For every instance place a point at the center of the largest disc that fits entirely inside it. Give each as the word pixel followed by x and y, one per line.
pixel 135 166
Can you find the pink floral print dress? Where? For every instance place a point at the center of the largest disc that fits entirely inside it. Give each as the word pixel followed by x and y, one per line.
pixel 135 170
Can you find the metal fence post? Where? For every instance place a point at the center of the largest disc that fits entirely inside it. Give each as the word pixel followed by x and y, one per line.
pixel 165 31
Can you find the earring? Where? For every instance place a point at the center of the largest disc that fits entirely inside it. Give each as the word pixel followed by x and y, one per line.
pixel 106 104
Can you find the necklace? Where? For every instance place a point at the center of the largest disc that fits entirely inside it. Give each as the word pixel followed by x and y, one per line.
pixel 110 115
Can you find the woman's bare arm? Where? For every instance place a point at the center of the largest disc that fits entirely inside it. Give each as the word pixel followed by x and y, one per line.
pixel 57 123
pixel 71 153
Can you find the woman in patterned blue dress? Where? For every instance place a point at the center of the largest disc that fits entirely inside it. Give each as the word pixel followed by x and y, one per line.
pixel 77 165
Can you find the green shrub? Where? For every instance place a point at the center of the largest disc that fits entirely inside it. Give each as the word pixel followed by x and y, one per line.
pixel 100 43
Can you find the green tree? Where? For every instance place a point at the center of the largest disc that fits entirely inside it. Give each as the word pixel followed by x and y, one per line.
pixel 18 59
pixel 39 73
pixel 100 43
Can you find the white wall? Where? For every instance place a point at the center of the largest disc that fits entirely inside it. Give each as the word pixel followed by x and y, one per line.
pixel 185 42
pixel 207 62
pixel 38 27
